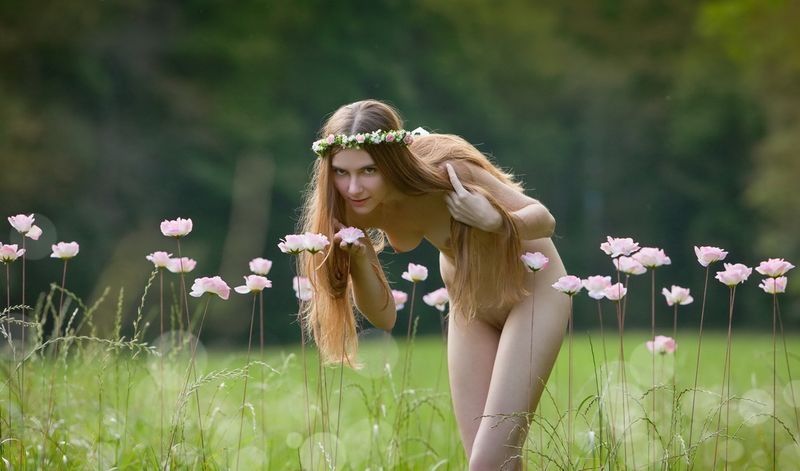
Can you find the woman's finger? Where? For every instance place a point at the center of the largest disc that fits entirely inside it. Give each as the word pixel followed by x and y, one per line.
pixel 460 190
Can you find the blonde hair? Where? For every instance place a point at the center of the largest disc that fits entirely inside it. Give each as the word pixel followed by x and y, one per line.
pixel 414 170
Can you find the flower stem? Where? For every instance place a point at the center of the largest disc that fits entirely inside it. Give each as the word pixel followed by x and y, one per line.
pixel 697 362
pixel 246 376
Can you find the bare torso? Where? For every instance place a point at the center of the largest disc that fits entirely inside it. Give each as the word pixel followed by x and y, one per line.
pixel 409 221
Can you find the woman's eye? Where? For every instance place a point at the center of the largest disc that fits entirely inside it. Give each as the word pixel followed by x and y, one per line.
pixel 339 172
pixel 370 170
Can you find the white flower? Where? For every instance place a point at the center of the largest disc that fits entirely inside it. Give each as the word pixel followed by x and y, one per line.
pixel 65 250
pixel 415 273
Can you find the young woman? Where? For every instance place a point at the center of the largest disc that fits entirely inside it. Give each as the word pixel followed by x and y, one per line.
pixel 395 185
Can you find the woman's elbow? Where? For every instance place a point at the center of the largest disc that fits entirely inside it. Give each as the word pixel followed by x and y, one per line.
pixel 386 322
pixel 550 225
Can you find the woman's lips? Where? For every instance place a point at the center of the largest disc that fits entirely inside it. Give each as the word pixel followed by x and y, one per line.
pixel 358 202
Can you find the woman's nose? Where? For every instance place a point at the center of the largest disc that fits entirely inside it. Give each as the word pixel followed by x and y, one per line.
pixel 355 186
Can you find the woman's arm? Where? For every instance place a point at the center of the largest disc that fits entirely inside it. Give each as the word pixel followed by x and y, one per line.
pixel 370 289
pixel 531 218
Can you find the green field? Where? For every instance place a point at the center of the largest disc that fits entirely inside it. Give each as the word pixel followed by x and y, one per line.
pixel 106 406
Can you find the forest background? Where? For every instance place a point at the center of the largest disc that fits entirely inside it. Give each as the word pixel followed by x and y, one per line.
pixel 675 123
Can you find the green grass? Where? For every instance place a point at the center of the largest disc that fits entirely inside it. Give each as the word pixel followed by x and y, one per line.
pixel 106 409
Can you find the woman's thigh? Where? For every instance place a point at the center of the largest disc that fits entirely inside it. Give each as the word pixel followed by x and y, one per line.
pixel 528 347
pixel 471 350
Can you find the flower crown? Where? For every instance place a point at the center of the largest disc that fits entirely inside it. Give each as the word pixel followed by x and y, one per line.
pixel 355 141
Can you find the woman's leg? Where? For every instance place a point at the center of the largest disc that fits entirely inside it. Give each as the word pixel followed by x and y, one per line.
pixel 498 441
pixel 471 349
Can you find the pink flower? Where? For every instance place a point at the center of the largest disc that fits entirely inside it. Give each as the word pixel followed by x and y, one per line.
pixel 65 250
pixel 253 284
pixel 302 288
pixel 21 222
pixel 213 285
pixel 707 255
pixel 293 244
pixel 568 284
pixel 437 298
pixel 176 228
pixel 415 273
pixel 774 285
pixel 629 265
pixel 774 267
pixel 534 261
pixel 662 344
pixel 315 242
pixel 260 266
pixel 159 259
pixel 619 246
pixel 181 265
pixel 330 139
pixel 616 292
pixel 400 298
pixel 34 233
pixel 389 137
pixel 360 138
pixel 350 235
pixel 652 257
pixel 677 295
pixel 408 139
pixel 9 252
pixel 596 286
pixel 734 274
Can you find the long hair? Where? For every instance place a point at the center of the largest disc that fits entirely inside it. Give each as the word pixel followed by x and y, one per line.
pixel 414 170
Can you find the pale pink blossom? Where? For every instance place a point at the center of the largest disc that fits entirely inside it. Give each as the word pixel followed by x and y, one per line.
pixel 734 274
pixel 535 261
pixel 21 222
pixel 159 259
pixel 415 273
pixel 65 250
pixel 400 298
pixel 437 298
pixel 34 233
pixel 629 265
pixel 616 292
pixel 260 266
pixel 596 286
pixel 677 295
pixel 330 139
pixel 652 257
pixel 213 285
pixel 619 246
pixel 10 252
pixel 662 345
pixel 293 244
pixel 568 284
pixel 302 288
pixel 774 267
pixel 181 265
pixel 774 285
pixel 350 235
pixel 253 284
pixel 176 227
pixel 408 139
pixel 315 242
pixel 707 255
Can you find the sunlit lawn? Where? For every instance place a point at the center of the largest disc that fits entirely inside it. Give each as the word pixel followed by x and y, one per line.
pixel 107 409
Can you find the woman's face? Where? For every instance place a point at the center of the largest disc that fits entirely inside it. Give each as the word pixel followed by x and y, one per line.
pixel 358 180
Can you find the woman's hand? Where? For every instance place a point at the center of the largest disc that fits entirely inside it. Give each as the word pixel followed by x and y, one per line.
pixel 472 209
pixel 356 248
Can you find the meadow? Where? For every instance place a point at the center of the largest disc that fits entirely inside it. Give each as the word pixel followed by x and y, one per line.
pixel 116 404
